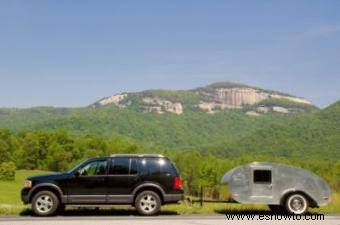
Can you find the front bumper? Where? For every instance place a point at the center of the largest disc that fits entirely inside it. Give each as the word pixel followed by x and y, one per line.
pixel 25 194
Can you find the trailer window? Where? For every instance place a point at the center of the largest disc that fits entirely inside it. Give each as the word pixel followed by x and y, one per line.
pixel 262 176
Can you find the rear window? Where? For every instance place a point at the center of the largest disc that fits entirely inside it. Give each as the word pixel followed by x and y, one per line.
pixel 160 166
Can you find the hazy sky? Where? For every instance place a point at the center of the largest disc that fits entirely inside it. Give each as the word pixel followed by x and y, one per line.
pixel 71 53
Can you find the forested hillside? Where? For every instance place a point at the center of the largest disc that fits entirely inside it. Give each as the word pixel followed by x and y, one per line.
pixel 305 133
pixel 303 136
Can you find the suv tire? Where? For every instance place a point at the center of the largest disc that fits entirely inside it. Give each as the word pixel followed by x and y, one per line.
pixel 45 203
pixel 148 203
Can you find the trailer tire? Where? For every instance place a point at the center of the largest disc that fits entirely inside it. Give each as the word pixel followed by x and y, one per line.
pixel 297 203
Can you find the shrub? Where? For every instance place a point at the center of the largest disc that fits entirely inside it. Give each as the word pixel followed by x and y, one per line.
pixel 7 171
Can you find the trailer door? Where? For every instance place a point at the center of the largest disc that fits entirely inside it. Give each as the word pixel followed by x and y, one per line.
pixel 262 185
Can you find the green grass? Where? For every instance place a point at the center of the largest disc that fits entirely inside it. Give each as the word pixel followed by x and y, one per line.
pixel 10 203
pixel 212 208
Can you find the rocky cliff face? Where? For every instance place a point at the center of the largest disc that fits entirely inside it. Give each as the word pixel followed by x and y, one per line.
pixel 210 99
pixel 160 106
pixel 114 99
pixel 236 98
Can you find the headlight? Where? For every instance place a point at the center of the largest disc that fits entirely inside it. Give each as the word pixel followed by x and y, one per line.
pixel 28 184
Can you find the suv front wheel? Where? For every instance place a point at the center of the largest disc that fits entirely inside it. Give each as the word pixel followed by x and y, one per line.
pixel 148 203
pixel 45 203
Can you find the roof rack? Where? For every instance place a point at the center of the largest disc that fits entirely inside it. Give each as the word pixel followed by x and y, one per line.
pixel 136 155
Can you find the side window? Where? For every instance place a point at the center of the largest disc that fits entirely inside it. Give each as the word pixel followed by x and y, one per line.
pixel 262 176
pixel 153 166
pixel 133 166
pixel 94 168
pixel 120 166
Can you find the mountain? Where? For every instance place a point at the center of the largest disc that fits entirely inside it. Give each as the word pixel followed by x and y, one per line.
pixel 226 118
pixel 212 98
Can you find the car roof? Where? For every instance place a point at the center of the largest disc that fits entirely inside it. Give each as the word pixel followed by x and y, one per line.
pixel 138 155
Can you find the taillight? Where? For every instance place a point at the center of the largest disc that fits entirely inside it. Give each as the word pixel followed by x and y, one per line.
pixel 177 183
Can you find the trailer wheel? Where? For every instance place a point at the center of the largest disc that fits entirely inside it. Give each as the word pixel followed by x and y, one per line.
pixel 297 204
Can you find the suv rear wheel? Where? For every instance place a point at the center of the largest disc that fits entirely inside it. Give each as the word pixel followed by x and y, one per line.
pixel 45 203
pixel 148 203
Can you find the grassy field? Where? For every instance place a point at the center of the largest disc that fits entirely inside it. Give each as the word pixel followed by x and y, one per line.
pixel 10 203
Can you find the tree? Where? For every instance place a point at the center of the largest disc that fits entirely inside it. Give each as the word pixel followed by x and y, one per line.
pixel 30 152
pixel 58 159
pixel 5 153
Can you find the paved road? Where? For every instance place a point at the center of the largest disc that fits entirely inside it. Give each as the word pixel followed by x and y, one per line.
pixel 162 220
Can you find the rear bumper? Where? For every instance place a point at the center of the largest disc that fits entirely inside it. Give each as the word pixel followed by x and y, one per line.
pixel 173 198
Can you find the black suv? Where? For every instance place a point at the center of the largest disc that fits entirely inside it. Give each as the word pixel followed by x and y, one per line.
pixel 144 181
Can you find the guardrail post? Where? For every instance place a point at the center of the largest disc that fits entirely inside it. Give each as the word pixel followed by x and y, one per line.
pixel 201 197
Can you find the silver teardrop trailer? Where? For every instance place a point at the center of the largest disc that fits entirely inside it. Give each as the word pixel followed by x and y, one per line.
pixel 279 186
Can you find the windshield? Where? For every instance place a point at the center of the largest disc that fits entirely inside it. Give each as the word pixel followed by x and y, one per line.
pixel 77 167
